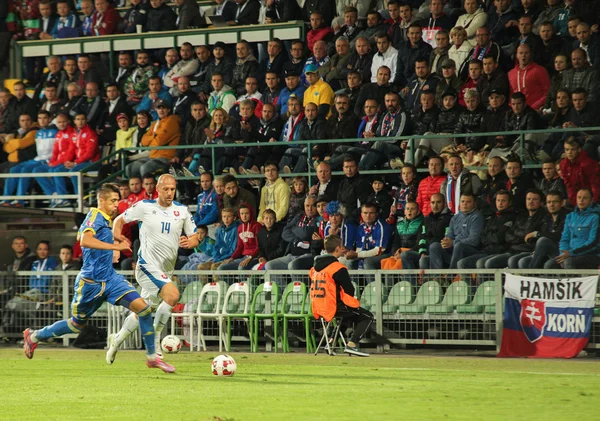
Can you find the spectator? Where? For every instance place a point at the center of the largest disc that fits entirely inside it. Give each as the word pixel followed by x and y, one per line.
pixel 372 238
pixel 582 75
pixel 291 132
pixel 55 75
pixel 134 16
pixel 424 121
pixel 579 172
pixel 521 239
pixel 252 93
pixel 405 192
pixel 436 22
pixel 271 88
pixel 44 144
pixel 207 212
pixel 462 238
pixel 8 118
pixel 247 12
pixel 124 70
pixel 187 66
pixel 433 230
pixel 375 25
pixel 518 183
pixel 336 225
pixel 493 79
pixel 446 123
pixel 589 43
pixel 235 195
pixel 115 105
pixel 270 244
pixel 472 20
pixel 160 17
pixel 431 184
pixel 484 47
pixel 22 103
pixel 171 57
pixel 368 124
pixel 525 25
pixel 386 56
pixel 342 124
pixel 106 19
pixel 548 237
pixel 297 60
pixel 164 132
pixel 47 21
pixel 19 146
pixel 86 73
pixel 380 195
pixel 354 189
pixel 225 8
pixel 361 59
pixel 298 234
pixel 493 237
pixel 579 241
pixel 495 120
pixel 498 26
pixel 472 83
pixel 551 181
pixel 319 31
pixel 23 257
pixel 245 255
pixel 529 78
pixel 333 72
pixel 275 194
pixel 299 191
pixel 137 82
pixel 89 14
pixel 155 94
pixel 561 63
pixel 219 63
pixel 188 16
pixel 495 181
pixel 245 65
pixel 242 130
pixel 459 51
pixel 423 80
pixel 74 100
pixel 469 121
pixel 293 87
pixel 551 46
pixel 521 117
pixel 67 25
pixel 392 24
pixel 459 182
pixel 440 53
pixel 374 91
pixel 550 12
pixel 226 241
pixel 269 130
pixel 318 92
pixel 182 102
pixel 408 53
pixel 395 122
pixel 52 104
pixel 326 186
pixel 222 96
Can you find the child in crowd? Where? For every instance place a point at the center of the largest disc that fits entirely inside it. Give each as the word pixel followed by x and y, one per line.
pixel 270 244
pixel 299 192
pixel 407 191
pixel 245 255
pixel 225 244
pixel 380 195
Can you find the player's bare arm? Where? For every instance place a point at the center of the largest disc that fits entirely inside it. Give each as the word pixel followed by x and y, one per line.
pixel 189 242
pixel 117 230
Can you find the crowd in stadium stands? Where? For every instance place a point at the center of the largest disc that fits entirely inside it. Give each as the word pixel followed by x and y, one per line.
pixel 366 69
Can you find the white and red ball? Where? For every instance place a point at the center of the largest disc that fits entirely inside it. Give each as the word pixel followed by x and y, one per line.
pixel 224 366
pixel 171 344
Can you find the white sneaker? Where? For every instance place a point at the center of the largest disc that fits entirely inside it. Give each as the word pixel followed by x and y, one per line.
pixel 158 349
pixel 111 353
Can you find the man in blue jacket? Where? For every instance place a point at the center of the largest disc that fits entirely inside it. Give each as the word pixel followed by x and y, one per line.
pixel 463 236
pixel 580 241
pixel 226 240
pixel 207 212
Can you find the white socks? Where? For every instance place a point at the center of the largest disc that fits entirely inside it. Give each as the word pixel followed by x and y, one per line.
pixel 129 326
pixel 163 312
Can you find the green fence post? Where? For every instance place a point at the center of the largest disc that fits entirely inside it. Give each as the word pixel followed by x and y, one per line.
pixel 213 159
pixel 522 145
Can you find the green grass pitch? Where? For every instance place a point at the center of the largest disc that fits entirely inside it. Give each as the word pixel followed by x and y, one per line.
pixel 74 384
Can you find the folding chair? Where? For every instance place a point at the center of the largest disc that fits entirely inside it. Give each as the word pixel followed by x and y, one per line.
pixel 336 324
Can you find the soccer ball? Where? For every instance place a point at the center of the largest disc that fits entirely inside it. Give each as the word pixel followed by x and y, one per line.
pixel 224 366
pixel 170 344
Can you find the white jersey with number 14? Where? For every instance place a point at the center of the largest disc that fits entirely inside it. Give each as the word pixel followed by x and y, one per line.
pixel 160 231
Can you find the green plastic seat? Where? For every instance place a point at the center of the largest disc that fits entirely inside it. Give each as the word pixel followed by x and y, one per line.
pixel 400 294
pixel 235 307
pixel 191 292
pixel 368 298
pixel 430 293
pixel 261 311
pixel 484 296
pixel 356 290
pixel 456 294
pixel 293 307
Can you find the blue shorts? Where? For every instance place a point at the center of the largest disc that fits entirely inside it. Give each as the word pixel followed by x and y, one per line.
pixel 90 295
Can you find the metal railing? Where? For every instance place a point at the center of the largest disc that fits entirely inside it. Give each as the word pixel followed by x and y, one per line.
pixel 411 307
pixel 123 10
pixel 154 40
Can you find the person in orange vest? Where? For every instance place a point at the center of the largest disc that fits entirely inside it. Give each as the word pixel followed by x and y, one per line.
pixel 332 294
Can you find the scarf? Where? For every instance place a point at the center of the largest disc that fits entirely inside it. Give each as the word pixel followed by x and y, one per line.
pixel 453 193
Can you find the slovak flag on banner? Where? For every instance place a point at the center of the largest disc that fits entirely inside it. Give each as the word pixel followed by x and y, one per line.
pixel 547 318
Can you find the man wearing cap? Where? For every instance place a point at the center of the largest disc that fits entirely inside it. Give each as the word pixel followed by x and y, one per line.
pixel 318 92
pixel 156 93
pixel 116 105
pixel 163 132
pixel 530 78
pixel 449 80
pixel 292 87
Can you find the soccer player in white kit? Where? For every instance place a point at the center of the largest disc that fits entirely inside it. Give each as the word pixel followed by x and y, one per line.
pixel 165 226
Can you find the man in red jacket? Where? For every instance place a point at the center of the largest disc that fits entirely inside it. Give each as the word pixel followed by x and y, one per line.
pixel 529 78
pixel 245 255
pixel 579 171
pixel 86 152
pixel 431 185
pixel 106 19
pixel 64 151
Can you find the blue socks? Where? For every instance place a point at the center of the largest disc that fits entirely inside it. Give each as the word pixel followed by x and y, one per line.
pixel 59 328
pixel 147 329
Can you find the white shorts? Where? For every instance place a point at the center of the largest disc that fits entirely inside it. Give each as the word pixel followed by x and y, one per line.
pixel 151 279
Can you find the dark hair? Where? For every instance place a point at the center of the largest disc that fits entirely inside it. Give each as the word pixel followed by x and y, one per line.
pixel 587 189
pixel 228 178
pixel 579 91
pixel 106 189
pixel 370 205
pixel 514 159
pixel 350 158
pixel 67 246
pixel 518 95
pixel 558 194
pixel 148 175
pixel 412 167
pixel 503 192
pixel 43 242
pixel 538 192
pixel 202 227
pixel 476 61
pixel 44 112
pixel 468 194
pixel 272 164
pixel 441 159
pixel 210 174
pixel 415 25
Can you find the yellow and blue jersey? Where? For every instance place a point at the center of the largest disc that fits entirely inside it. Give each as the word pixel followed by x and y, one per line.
pixel 97 264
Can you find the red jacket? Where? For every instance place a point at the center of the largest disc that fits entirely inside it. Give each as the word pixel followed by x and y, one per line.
pixel 247 244
pixel 470 84
pixel 64 147
pixel 583 172
pixel 427 188
pixel 87 146
pixel 106 24
pixel 315 35
pixel 533 81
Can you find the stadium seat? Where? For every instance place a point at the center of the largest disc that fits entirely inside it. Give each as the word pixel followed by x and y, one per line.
pixel 456 294
pixel 293 307
pixel 209 307
pixel 482 302
pixel 400 294
pixel 356 290
pixel 368 298
pixel 237 307
pixel 191 293
pixel 266 293
pixel 429 293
